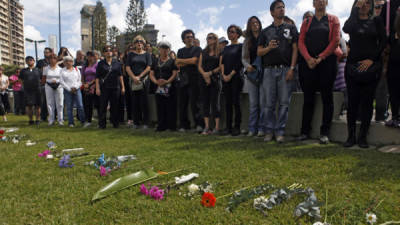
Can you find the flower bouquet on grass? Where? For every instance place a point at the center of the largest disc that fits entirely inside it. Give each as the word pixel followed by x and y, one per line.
pixel 107 165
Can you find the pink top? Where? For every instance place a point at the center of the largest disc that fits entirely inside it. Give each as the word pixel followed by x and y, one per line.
pixel 17 86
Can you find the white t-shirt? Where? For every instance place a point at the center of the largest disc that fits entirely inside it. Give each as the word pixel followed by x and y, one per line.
pixel 3 81
pixel 70 79
pixel 52 74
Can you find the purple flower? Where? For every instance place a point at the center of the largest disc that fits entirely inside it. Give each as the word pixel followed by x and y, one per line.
pixel 159 195
pixel 103 171
pixel 153 191
pixel 65 163
pixel 144 190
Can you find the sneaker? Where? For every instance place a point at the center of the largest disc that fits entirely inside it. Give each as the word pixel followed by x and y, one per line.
pixel 135 126
pixel 280 139
pixel 51 123
pixel 199 129
pixel 71 125
pixel 251 134
pixel 216 132
pixel 303 137
pixel 145 127
pixel 182 130
pixel 61 123
pixel 206 131
pixel 323 140
pixel 5 119
pixel 268 137
pixel 391 123
pixel 86 125
pixel 226 132
pixel 260 134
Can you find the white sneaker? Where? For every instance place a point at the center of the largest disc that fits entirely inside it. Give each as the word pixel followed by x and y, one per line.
pixel 71 125
pixel 260 134
pixel 199 129
pixel 61 123
pixel 323 140
pixel 251 134
pixel 5 119
pixel 86 125
pixel 268 137
pixel 145 127
pixel 51 123
pixel 182 130
pixel 280 139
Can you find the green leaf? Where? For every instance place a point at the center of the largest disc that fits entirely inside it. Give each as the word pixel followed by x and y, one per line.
pixel 125 182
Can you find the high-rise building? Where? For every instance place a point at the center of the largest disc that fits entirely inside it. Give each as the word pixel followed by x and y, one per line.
pixel 53 42
pixel 12 32
pixel 149 33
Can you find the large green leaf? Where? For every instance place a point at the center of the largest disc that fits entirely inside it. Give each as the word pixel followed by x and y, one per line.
pixel 125 182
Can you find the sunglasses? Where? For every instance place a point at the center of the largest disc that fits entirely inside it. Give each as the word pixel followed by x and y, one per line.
pixel 378 7
pixel 108 50
pixel 139 41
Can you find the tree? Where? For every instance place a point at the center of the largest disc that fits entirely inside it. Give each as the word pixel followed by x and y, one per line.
pixel 100 26
pixel 135 17
pixel 10 69
pixel 112 33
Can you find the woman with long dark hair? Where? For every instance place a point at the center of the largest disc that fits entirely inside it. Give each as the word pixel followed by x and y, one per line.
pixel 256 95
pixel 137 67
pixel 363 68
pixel 90 100
pixel 319 37
pixel 163 74
pixel 210 85
pixel 231 67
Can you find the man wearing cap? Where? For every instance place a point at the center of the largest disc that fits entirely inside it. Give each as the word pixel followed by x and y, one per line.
pixel 222 43
pixel 30 78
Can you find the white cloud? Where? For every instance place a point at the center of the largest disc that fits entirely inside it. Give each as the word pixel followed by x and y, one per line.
pixel 204 29
pixel 117 12
pixel 32 33
pixel 167 22
pixel 212 13
pixel 234 6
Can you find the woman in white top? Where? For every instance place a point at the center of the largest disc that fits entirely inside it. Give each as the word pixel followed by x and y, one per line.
pixel 71 82
pixel 4 104
pixel 54 91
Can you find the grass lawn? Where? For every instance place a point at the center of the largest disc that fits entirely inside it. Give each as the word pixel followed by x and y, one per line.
pixel 35 191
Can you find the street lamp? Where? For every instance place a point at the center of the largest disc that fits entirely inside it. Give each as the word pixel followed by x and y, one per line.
pixel 59 23
pixel 36 42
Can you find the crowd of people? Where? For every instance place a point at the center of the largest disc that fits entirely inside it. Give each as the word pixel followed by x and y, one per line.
pixel 275 60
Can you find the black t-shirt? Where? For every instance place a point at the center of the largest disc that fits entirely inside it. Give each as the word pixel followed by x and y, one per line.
pixel 367 38
pixel 317 36
pixel 232 59
pixel 112 79
pixel 163 70
pixel 285 35
pixel 187 53
pixel 138 62
pixel 31 79
pixel 209 62
pixel 253 49
pixel 41 64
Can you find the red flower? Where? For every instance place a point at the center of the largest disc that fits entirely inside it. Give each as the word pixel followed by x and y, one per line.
pixel 208 200
pixel 1 132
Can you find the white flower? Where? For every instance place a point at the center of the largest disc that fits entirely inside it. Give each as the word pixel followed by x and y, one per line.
pixel 15 141
pixel 259 201
pixel 49 157
pixel 29 143
pixel 193 188
pixel 371 218
pixel 318 223
pixel 185 178
pixel 208 188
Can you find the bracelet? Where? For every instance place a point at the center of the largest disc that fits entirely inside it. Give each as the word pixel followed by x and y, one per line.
pixel 292 67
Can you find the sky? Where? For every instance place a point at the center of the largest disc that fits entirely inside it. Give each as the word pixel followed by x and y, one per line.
pixel 170 17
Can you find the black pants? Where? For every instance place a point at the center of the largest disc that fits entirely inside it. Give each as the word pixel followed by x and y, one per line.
pixel 2 108
pixel 393 79
pixel 190 93
pixel 381 99
pixel 43 106
pixel 19 106
pixel 6 102
pixel 90 101
pixel 361 99
pixel 140 107
pixel 211 99
pixel 232 90
pixel 166 111
pixel 125 102
pixel 109 95
pixel 321 78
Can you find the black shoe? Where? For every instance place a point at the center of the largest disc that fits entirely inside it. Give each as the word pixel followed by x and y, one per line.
pixel 37 122
pixel 351 140
pixel 303 137
pixel 235 132
pixel 226 132
pixel 362 142
pixel 31 122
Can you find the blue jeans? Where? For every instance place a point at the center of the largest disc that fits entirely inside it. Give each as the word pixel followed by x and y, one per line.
pixel 277 89
pixel 70 100
pixel 256 104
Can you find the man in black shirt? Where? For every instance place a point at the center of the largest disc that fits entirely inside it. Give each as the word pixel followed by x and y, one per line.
pixel 41 64
pixel 187 59
pixel 30 78
pixel 278 47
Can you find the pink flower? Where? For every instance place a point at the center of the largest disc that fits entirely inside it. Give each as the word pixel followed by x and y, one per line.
pixel 44 153
pixel 103 171
pixel 159 195
pixel 144 189
pixel 153 191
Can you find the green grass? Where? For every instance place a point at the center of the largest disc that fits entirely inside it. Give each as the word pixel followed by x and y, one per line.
pixel 35 191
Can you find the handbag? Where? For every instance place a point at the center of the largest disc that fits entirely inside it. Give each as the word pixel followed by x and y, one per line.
pixel 137 87
pixel 53 85
pixel 368 76
pixel 256 76
pixel 182 79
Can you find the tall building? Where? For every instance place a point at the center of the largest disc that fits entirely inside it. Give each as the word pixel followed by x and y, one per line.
pixel 12 32
pixel 149 33
pixel 53 42
pixel 86 27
